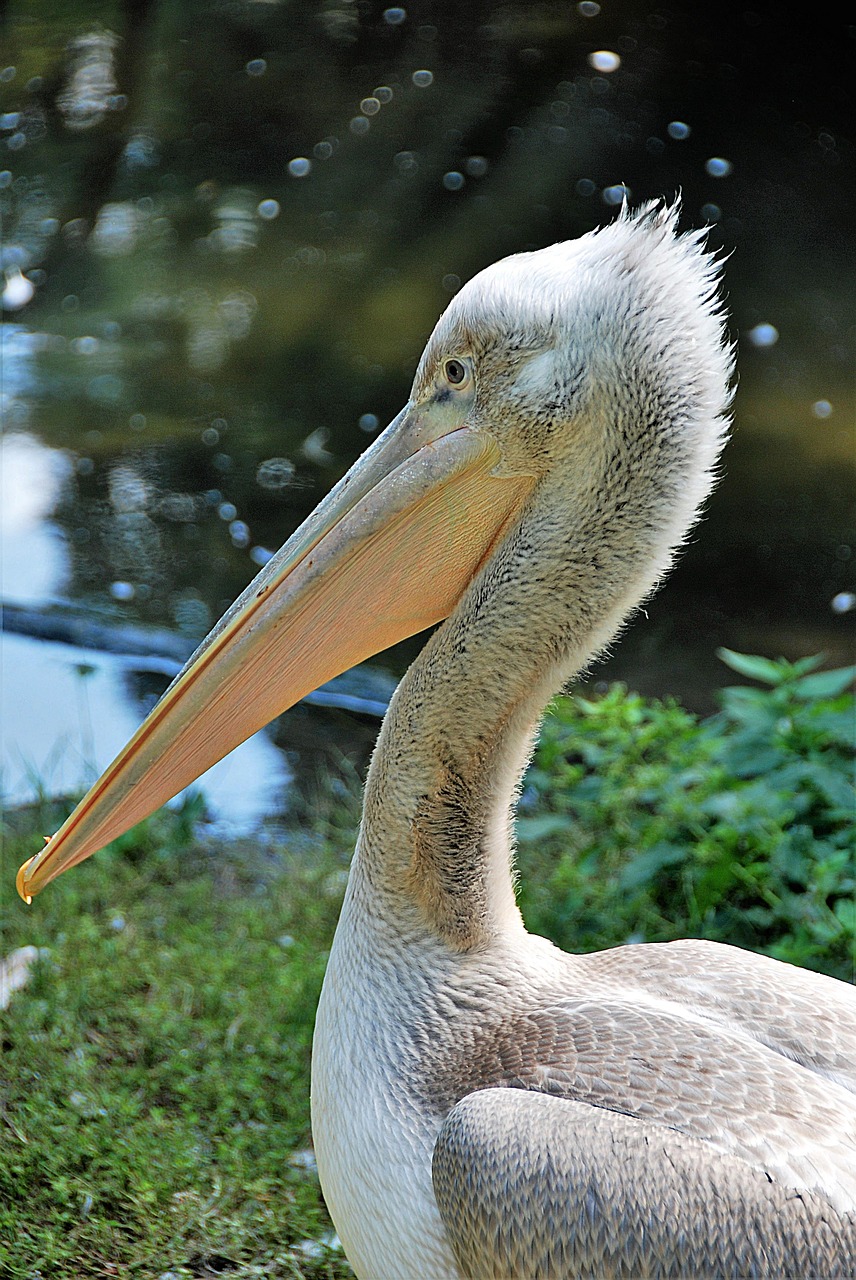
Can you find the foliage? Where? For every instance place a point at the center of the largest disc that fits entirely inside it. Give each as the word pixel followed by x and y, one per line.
pixel 155 1074
pixel 641 822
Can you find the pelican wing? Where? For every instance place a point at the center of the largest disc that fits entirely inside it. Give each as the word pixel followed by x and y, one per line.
pixel 545 1187
pixel 805 1016
pixel 670 1068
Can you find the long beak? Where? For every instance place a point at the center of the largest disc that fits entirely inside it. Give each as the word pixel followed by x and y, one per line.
pixel 389 552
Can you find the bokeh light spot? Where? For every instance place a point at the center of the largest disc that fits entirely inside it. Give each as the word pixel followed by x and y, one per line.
pixel 604 60
pixel 763 335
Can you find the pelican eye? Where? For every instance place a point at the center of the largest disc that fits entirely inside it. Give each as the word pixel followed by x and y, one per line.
pixel 456 372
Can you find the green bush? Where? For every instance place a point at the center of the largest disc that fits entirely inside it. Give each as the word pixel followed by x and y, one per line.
pixel 641 822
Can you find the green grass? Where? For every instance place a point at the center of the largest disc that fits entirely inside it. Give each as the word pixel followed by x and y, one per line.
pixel 154 1080
pixel 154 1085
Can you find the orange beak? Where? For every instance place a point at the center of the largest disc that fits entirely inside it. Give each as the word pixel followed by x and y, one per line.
pixel 389 552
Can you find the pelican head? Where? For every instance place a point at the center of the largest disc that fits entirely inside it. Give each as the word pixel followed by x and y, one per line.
pixel 589 352
pixel 579 387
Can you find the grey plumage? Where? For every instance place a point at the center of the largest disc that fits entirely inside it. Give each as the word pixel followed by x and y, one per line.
pixel 554 1190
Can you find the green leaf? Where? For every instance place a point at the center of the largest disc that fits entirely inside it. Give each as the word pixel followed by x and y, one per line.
pixel 845 910
pixel 836 723
pixel 804 665
pixel 836 787
pixel 752 708
pixel 645 866
pixel 548 824
pixel 825 684
pixel 756 668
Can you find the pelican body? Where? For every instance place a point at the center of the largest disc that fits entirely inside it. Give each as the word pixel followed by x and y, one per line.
pixel 483 1104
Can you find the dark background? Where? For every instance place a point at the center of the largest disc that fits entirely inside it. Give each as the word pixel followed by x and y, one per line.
pixel 209 371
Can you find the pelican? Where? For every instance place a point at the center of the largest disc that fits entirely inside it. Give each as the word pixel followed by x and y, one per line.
pixel 483 1104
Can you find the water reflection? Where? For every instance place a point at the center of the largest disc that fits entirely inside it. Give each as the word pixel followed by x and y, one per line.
pixel 90 88
pixel 66 712
pixel 34 561
pixel 227 233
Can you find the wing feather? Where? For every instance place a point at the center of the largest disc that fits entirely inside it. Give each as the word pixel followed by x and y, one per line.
pixel 544 1188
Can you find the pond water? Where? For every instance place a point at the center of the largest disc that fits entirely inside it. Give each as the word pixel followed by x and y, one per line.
pixel 228 230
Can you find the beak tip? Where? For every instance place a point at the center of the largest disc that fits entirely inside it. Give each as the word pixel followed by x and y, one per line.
pixel 20 881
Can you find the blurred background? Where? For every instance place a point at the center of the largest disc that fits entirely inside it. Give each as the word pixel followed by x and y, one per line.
pixel 228 227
